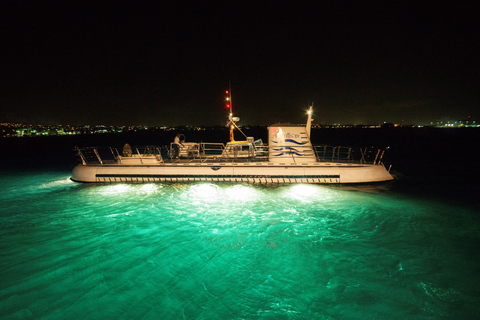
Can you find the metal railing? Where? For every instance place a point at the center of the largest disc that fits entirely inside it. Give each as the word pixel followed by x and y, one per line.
pixel 219 152
pixel 102 155
pixel 368 155
pixel 211 149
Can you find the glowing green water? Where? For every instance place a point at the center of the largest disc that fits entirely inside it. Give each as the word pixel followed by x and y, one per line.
pixel 210 251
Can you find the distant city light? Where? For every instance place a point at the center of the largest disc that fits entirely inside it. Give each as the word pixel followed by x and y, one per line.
pixel 8 129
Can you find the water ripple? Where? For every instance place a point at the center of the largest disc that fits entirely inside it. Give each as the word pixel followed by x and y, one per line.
pixel 217 251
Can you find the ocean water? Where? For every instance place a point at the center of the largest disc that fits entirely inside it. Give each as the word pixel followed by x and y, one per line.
pixel 409 249
pixel 232 251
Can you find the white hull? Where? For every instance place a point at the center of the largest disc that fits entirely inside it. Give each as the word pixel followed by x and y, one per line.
pixel 250 172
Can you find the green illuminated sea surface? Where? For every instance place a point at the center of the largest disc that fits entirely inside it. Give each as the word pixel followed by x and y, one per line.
pixel 409 249
pixel 231 251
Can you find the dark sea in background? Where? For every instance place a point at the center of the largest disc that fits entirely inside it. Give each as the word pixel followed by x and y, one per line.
pixel 407 249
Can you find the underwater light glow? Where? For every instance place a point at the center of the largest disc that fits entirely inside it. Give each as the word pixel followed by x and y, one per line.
pixel 212 193
pixel 117 188
pixel 203 191
pixel 305 192
pixel 242 193
pixel 149 188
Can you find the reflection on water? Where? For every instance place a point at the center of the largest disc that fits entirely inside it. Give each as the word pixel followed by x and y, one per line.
pixel 221 251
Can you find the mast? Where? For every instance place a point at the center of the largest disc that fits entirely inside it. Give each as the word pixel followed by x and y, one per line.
pixel 309 120
pixel 231 122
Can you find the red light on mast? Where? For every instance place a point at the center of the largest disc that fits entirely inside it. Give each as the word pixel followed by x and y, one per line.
pixel 226 91
pixel 228 105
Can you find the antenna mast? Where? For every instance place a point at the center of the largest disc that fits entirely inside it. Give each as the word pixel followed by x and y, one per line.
pixel 231 119
pixel 231 122
pixel 309 120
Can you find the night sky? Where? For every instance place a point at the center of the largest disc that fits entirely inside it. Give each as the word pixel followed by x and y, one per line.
pixel 169 62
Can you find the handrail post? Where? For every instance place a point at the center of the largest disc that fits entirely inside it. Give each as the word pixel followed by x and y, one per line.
pixel 381 156
pixel 362 152
pixel 98 156
pixel 113 153
pixel 159 154
pixel 139 156
pixel 118 156
pixel 376 157
pixel 316 153
pixel 84 161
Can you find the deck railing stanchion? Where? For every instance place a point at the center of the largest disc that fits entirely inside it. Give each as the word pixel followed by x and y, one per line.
pixel 376 157
pixel 113 154
pixel 98 156
pixel 84 161
pixel 118 155
pixel 139 155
